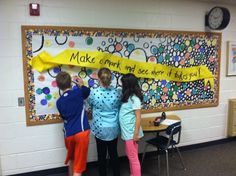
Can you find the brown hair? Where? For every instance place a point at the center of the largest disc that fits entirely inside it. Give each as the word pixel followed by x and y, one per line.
pixel 63 80
pixel 105 76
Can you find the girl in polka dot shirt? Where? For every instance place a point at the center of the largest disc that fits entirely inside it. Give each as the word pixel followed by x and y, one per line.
pixel 105 103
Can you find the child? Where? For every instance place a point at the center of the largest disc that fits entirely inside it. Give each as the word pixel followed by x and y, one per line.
pixel 130 118
pixel 76 127
pixel 105 104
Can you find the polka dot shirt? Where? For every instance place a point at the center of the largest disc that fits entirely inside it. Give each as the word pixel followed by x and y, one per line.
pixel 105 104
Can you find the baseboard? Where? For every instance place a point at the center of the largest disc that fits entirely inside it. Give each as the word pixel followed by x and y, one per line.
pixel 207 144
pixel 46 172
pixel 183 148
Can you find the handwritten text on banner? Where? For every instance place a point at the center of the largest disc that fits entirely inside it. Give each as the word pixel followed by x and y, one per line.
pixel 96 59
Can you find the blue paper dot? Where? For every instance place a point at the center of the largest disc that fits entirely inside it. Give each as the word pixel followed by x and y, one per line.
pixel 43 102
pixel 46 90
pixel 91 82
pixel 56 70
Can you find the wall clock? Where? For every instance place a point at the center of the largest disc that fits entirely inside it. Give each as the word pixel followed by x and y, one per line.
pixel 217 18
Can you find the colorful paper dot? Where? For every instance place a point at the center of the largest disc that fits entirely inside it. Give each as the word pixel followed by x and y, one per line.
pixel 46 90
pixel 152 59
pixel 145 86
pixel 54 83
pixel 150 81
pixel 131 47
pixel 165 90
pixel 39 91
pixel 153 101
pixel 43 102
pixel 187 42
pixel 82 74
pixel 48 97
pixel 118 47
pixel 50 104
pixel 91 82
pixel 47 43
pixel 89 40
pixel 56 69
pixel 154 86
pixel 41 78
pixel 55 95
pixel 71 44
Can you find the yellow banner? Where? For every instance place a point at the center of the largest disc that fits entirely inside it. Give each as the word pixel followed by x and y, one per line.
pixel 96 59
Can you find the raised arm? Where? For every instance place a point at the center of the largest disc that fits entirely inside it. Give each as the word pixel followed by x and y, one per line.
pixel 85 90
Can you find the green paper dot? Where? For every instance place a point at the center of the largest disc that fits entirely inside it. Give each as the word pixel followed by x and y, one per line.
pixel 193 42
pixel 161 49
pixel 167 57
pixel 176 88
pixel 158 89
pixel 48 96
pixel 182 46
pixel 170 93
pixel 89 40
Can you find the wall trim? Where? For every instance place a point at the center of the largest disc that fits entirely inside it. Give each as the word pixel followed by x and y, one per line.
pixel 182 148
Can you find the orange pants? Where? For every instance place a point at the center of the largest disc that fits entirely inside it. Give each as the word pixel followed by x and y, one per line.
pixel 77 150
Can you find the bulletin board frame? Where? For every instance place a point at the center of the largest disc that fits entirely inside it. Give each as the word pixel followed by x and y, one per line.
pixel 28 31
pixel 231 58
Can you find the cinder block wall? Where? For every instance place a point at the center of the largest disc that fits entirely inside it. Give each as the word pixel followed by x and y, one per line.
pixel 26 149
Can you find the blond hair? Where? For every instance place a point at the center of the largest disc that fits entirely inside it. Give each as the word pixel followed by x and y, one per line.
pixel 105 76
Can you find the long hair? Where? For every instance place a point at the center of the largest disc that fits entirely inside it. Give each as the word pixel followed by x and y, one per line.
pixel 105 76
pixel 130 87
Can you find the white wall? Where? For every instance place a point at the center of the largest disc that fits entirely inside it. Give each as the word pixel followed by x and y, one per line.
pixel 25 149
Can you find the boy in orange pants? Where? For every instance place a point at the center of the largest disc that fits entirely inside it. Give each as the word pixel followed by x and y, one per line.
pixel 76 126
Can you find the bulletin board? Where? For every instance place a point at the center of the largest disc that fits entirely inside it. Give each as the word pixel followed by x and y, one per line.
pixel 176 69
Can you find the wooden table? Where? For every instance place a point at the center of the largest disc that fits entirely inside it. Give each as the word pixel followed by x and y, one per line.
pixel 148 126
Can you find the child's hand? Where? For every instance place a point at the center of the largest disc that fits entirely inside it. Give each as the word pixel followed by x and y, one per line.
pixel 78 81
pixel 136 138
pixel 89 114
